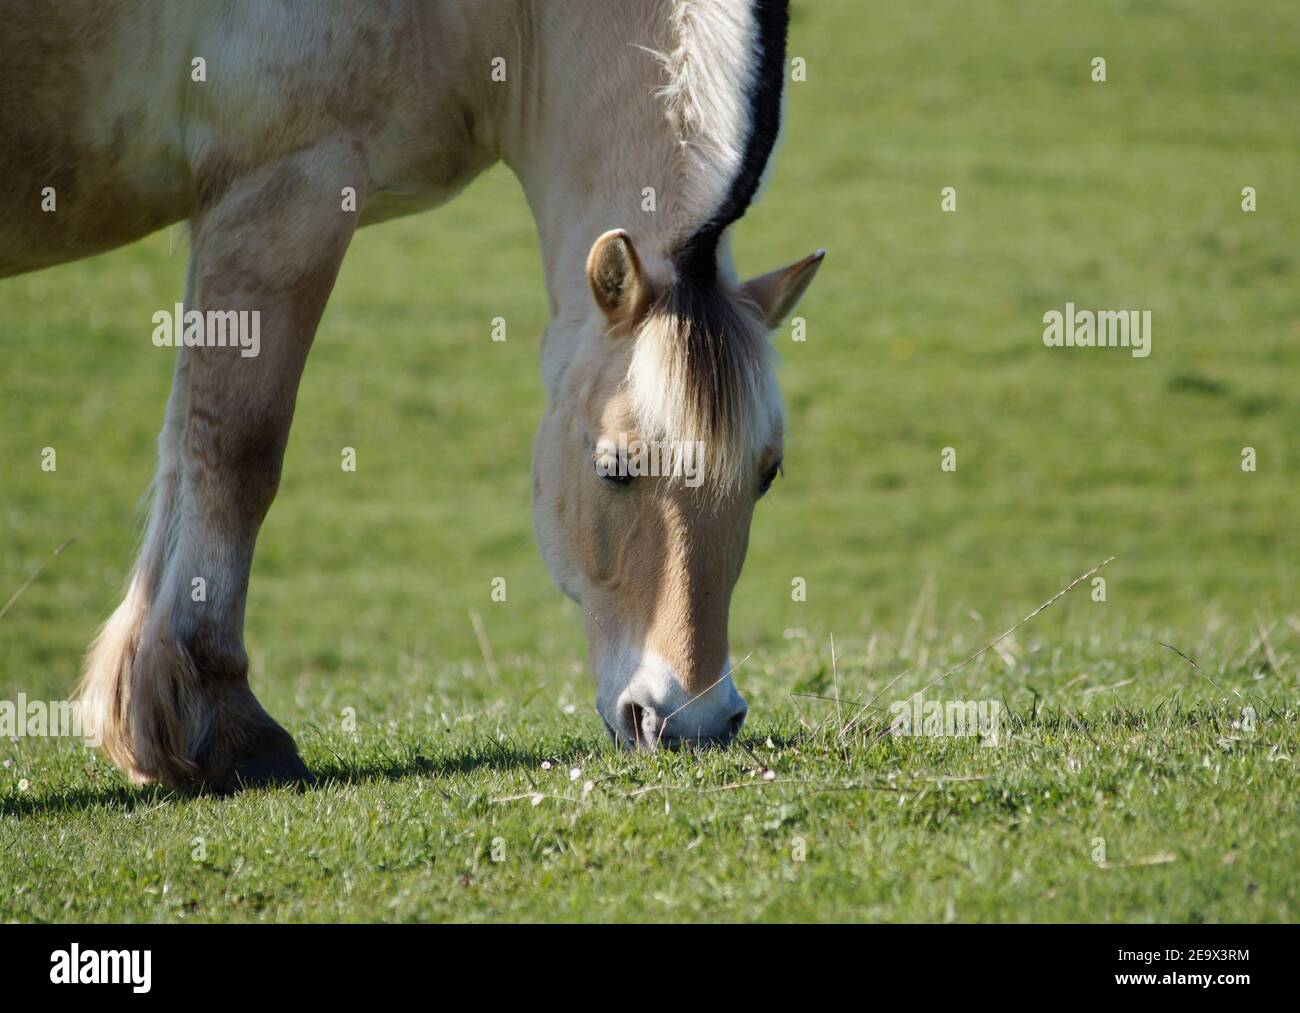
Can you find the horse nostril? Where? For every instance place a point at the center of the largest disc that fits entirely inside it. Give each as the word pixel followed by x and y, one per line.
pixel 634 721
pixel 735 722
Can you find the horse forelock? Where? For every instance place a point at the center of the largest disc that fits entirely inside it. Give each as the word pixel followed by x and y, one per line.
pixel 701 374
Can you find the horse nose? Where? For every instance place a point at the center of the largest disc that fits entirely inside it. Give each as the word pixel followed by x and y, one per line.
pixel 644 726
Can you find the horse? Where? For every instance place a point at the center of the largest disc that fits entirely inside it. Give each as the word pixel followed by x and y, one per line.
pixel 639 131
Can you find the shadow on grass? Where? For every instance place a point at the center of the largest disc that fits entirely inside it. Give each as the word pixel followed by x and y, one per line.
pixel 119 796
pixel 332 773
pixel 493 756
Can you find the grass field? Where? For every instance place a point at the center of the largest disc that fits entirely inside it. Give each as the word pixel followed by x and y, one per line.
pixel 1128 785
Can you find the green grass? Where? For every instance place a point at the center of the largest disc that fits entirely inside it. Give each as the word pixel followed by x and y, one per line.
pixel 924 331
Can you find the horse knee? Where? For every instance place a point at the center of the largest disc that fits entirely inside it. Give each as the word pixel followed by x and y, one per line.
pixel 233 476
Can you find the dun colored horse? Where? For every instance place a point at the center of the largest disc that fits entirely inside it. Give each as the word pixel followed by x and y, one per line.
pixel 639 130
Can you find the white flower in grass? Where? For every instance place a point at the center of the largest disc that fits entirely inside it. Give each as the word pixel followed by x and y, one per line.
pixel 588 787
pixel 24 784
pixel 546 764
pixel 536 799
pixel 575 773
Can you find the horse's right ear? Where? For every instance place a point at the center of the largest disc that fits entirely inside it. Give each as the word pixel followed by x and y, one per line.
pixel 617 282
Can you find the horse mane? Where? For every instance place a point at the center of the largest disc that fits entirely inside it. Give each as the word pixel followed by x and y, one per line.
pixel 701 369
pixel 725 111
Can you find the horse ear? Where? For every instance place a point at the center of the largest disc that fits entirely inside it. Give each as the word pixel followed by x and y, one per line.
pixel 776 293
pixel 615 275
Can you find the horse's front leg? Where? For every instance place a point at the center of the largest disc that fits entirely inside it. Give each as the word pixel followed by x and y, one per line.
pixel 167 681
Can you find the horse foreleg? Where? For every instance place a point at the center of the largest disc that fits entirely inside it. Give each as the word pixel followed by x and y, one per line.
pixel 166 683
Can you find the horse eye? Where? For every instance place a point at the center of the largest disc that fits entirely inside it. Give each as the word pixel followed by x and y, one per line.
pixel 768 479
pixel 606 475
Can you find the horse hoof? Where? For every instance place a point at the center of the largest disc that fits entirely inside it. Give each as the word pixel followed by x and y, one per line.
pixel 281 769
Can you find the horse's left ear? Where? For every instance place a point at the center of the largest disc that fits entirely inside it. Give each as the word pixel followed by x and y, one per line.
pixel 776 293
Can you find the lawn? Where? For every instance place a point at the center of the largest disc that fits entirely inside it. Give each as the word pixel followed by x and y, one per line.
pixel 1146 769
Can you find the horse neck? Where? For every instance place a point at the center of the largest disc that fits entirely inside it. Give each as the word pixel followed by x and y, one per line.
pixel 587 137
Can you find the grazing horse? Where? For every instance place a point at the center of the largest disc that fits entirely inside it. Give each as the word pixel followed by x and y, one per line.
pixel 639 130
